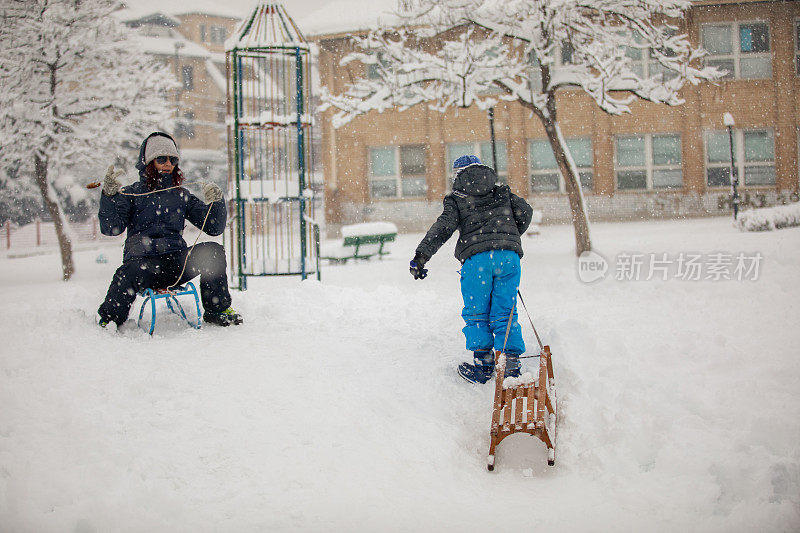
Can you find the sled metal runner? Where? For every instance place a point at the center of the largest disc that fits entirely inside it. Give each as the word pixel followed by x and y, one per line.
pixel 524 408
pixel 170 296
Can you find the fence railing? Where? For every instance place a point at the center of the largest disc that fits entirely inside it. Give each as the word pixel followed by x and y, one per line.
pixel 40 235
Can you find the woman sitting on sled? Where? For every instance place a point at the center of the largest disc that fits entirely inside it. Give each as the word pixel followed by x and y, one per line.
pixel 153 211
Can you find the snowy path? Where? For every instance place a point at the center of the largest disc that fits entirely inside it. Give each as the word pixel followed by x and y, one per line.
pixel 336 407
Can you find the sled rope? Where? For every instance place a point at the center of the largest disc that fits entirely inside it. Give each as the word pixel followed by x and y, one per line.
pixel 191 249
pixel 541 347
pixel 183 269
pixel 508 327
pixel 159 190
pixel 96 184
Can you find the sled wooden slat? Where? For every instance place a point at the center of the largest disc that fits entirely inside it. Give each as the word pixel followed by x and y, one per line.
pixel 507 408
pixel 525 408
pixel 549 404
pixel 541 392
pixel 519 400
pixel 530 417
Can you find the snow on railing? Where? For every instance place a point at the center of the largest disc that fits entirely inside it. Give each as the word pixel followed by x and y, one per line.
pixel 39 234
pixel 769 218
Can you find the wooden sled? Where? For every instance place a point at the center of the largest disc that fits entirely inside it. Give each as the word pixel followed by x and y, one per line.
pixel 525 407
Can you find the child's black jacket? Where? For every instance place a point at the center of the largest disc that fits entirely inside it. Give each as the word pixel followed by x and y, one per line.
pixel 488 216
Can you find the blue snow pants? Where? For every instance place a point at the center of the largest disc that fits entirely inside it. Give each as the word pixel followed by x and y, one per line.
pixel 489 283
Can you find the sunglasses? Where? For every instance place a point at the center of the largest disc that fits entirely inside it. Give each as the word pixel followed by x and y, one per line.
pixel 163 159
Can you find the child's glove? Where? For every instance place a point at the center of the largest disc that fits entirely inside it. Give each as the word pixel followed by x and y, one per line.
pixel 111 184
pixel 416 267
pixel 212 192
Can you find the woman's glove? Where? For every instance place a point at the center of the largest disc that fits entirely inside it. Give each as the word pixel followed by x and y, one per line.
pixel 212 192
pixel 111 184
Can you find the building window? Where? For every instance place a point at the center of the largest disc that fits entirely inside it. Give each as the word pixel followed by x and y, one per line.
pixel 222 111
pixel 741 48
pixel 566 53
pixel 648 161
pixel 797 46
pixel 544 173
pixel 563 60
pixel 202 33
pixel 643 62
pixel 374 69
pixel 484 151
pixel 187 77
pixel 758 165
pixel 397 172
pixel 218 34
pixel 185 126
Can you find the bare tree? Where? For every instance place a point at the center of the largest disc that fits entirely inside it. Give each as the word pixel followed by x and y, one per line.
pixel 75 87
pixel 460 52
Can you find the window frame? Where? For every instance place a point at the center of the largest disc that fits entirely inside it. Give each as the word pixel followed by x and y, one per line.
pixel 736 54
pixel 218 34
pixel 560 63
pixel 372 70
pixel 397 174
pixel 649 166
pixel 797 46
pixel 185 126
pixel 739 160
pixel 647 61
pixel 187 77
pixel 548 171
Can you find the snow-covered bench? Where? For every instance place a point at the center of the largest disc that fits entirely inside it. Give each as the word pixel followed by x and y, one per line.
pixel 769 218
pixel 536 219
pixel 361 241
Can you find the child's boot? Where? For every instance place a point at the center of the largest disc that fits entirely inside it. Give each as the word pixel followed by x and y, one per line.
pixel 512 366
pixel 482 368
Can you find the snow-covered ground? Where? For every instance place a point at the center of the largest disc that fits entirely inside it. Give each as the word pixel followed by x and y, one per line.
pixel 336 406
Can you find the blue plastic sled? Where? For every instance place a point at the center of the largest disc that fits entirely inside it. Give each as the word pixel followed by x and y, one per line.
pixel 171 297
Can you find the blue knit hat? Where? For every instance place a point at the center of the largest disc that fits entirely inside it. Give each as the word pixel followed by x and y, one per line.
pixel 465 161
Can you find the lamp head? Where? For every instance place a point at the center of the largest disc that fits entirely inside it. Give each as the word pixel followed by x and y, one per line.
pixel 727 119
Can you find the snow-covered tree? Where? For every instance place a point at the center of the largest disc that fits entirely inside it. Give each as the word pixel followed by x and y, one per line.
pixel 462 52
pixel 75 87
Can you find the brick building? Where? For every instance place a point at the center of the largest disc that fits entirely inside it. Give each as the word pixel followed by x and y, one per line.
pixel 191 45
pixel 658 162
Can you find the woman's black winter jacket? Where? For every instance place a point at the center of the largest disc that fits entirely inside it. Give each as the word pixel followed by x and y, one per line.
pixel 155 222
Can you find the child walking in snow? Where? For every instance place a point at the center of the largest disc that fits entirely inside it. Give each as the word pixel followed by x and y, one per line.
pixel 490 220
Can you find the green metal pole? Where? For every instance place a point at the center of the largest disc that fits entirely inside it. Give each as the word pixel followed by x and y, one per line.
pixel 301 162
pixel 237 91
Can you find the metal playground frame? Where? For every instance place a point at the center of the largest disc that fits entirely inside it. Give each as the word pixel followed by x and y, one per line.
pixel 274 233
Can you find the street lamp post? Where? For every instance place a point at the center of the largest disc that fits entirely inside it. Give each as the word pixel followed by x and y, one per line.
pixel 491 131
pixel 727 119
pixel 178 45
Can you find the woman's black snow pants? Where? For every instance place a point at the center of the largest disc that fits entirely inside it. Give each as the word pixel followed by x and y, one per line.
pixel 206 260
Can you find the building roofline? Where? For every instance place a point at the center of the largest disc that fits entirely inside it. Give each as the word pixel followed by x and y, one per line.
pixel 703 3
pixel 149 18
pixel 335 35
pixel 316 37
pixel 208 14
